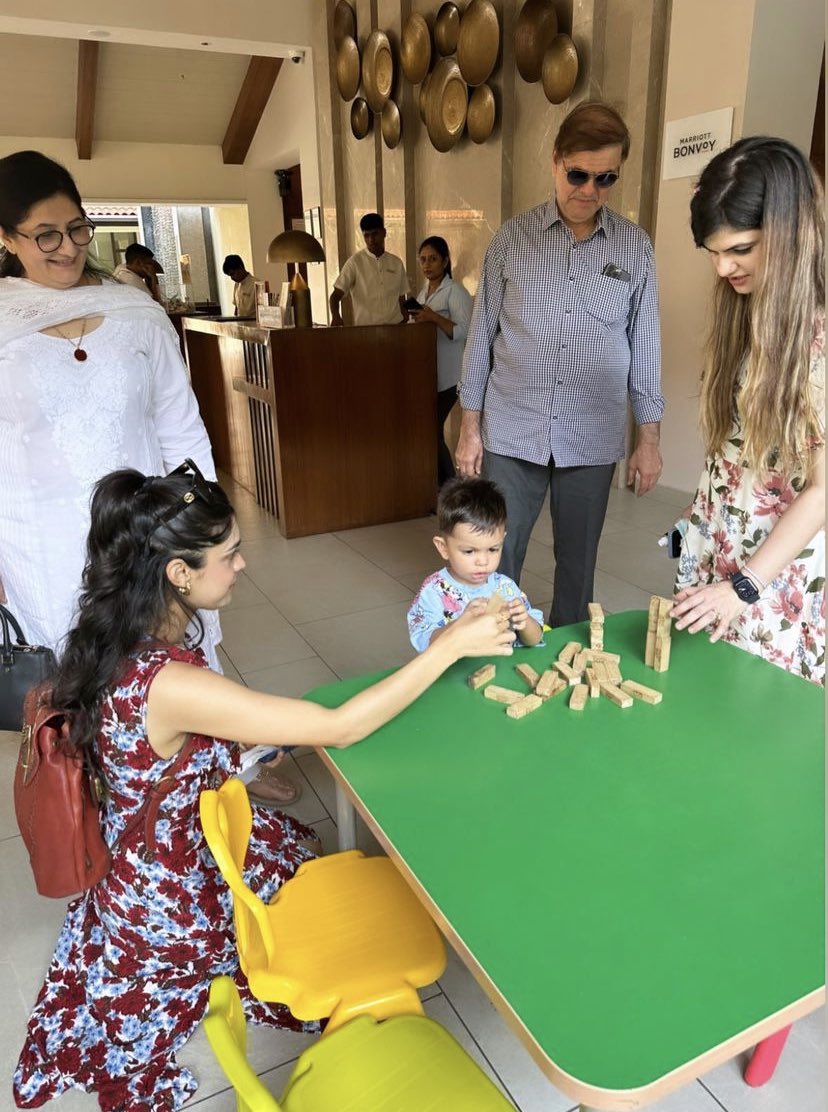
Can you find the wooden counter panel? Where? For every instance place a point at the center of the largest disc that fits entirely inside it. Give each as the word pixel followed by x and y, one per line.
pixel 355 425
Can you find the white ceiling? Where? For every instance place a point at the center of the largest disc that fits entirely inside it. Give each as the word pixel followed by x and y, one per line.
pixel 145 94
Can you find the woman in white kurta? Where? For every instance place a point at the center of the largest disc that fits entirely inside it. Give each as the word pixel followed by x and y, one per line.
pixel 448 305
pixel 91 380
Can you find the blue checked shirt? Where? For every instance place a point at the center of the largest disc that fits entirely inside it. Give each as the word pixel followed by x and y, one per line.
pixel 555 347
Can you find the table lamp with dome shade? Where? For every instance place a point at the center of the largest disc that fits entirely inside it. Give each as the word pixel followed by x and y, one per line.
pixel 297 247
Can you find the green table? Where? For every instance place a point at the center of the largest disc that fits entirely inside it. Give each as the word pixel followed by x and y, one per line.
pixel 639 891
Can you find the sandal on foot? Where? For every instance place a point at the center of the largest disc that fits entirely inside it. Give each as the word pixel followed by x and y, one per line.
pixel 271 790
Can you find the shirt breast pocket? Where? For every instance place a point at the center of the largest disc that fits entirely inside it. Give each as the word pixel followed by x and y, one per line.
pixel 606 299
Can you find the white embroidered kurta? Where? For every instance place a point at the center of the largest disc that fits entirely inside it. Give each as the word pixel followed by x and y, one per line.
pixel 64 424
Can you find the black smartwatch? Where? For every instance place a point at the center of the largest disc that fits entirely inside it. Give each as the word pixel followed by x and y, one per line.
pixel 744 587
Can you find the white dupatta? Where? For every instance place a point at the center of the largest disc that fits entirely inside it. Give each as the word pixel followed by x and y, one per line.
pixel 27 307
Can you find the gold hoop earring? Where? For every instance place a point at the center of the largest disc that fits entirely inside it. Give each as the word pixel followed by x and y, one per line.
pixel 185 590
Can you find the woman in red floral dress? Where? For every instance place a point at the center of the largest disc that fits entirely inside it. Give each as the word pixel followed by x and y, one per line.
pixel 129 979
pixel 752 567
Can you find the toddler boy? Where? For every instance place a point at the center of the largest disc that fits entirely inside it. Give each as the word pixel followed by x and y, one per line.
pixel 471 517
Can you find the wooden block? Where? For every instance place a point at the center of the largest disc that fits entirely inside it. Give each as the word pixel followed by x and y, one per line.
pixel 661 659
pixel 569 674
pixel 501 694
pixel 528 673
pixel 481 676
pixel 593 684
pixel 639 691
pixel 614 694
pixel 612 671
pixel 579 696
pixel 568 651
pixel 599 670
pixel 549 684
pixel 608 658
pixel 580 661
pixel 596 612
pixel 495 604
pixel 524 706
pixel 652 626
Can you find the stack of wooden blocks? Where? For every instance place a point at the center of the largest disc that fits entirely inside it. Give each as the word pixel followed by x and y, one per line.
pixel 657 652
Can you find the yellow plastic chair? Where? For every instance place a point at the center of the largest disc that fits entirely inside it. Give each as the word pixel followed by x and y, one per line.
pixel 344 935
pixel 405 1064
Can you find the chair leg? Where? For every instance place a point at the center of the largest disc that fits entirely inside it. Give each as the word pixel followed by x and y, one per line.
pixel 765 1056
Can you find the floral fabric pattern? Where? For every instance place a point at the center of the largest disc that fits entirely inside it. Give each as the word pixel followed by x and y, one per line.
pixel 130 975
pixel 442 598
pixel 733 512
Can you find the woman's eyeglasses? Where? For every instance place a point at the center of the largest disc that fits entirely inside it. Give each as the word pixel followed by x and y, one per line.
pixel 581 177
pixel 80 234
pixel 199 488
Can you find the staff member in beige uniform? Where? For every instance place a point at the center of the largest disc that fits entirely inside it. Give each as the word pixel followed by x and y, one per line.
pixel 374 279
pixel 244 289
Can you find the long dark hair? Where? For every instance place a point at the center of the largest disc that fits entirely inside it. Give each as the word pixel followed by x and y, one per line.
pixel 26 179
pixel 126 595
pixel 759 350
pixel 441 247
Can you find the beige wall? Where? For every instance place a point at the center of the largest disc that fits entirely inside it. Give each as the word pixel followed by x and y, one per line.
pixel 770 77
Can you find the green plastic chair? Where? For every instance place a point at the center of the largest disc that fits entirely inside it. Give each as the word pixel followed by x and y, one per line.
pixel 405 1064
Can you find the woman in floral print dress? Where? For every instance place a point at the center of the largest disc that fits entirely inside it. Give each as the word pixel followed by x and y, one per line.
pixel 130 975
pixel 752 567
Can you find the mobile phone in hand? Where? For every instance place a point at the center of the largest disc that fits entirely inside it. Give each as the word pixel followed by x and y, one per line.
pixel 412 305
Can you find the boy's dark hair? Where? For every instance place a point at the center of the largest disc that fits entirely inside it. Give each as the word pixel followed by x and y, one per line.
pixel 137 251
pixel 469 501
pixel 370 222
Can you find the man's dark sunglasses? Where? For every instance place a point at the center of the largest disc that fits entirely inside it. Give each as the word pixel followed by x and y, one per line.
pixel 581 177
pixel 199 488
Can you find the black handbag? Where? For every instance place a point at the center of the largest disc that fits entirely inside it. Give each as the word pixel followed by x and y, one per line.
pixel 21 666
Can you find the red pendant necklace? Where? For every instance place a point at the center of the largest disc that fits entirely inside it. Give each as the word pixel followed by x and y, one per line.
pixel 78 353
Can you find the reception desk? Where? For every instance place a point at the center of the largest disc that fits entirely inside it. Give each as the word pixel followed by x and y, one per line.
pixel 330 428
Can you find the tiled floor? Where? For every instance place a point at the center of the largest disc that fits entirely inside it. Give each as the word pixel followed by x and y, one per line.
pixel 306 612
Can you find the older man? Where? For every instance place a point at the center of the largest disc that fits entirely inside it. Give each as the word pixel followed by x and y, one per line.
pixel 564 331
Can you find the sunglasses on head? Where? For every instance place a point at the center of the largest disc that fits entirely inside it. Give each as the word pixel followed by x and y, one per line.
pixel 581 177
pixel 199 488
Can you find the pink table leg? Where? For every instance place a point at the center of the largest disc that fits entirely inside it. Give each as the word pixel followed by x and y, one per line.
pixel 765 1056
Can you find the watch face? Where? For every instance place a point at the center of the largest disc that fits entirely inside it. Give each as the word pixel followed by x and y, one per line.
pixel 745 588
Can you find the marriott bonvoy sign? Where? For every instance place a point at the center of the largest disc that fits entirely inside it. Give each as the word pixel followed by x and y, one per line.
pixel 689 144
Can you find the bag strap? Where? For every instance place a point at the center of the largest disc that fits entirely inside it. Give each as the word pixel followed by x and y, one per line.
pixel 9 622
pixel 152 804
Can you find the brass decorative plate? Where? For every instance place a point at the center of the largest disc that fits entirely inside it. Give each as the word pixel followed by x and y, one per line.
pixel 536 27
pixel 447 29
pixel 377 70
pixel 347 68
pixel 390 124
pixel 344 23
pixel 560 69
pixel 361 118
pixel 415 48
pixel 447 99
pixel 480 118
pixel 422 99
pixel 479 42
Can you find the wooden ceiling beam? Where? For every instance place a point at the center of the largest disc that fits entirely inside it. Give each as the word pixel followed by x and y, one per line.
pixel 85 103
pixel 253 96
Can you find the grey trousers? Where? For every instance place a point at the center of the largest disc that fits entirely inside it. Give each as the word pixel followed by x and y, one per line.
pixel 578 504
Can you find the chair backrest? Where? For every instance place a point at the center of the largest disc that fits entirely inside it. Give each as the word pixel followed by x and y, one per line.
pixel 226 1030
pixel 227 820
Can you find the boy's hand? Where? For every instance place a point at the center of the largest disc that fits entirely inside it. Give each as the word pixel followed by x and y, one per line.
pixel 518 614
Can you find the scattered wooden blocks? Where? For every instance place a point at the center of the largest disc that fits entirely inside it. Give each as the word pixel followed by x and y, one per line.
pixel 580 660
pixel 568 652
pixel 614 694
pixel 659 624
pixel 592 683
pixel 481 676
pixel 528 673
pixel 596 625
pixel 579 696
pixel 526 704
pixel 569 674
pixel 550 684
pixel 639 691
pixel 502 694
